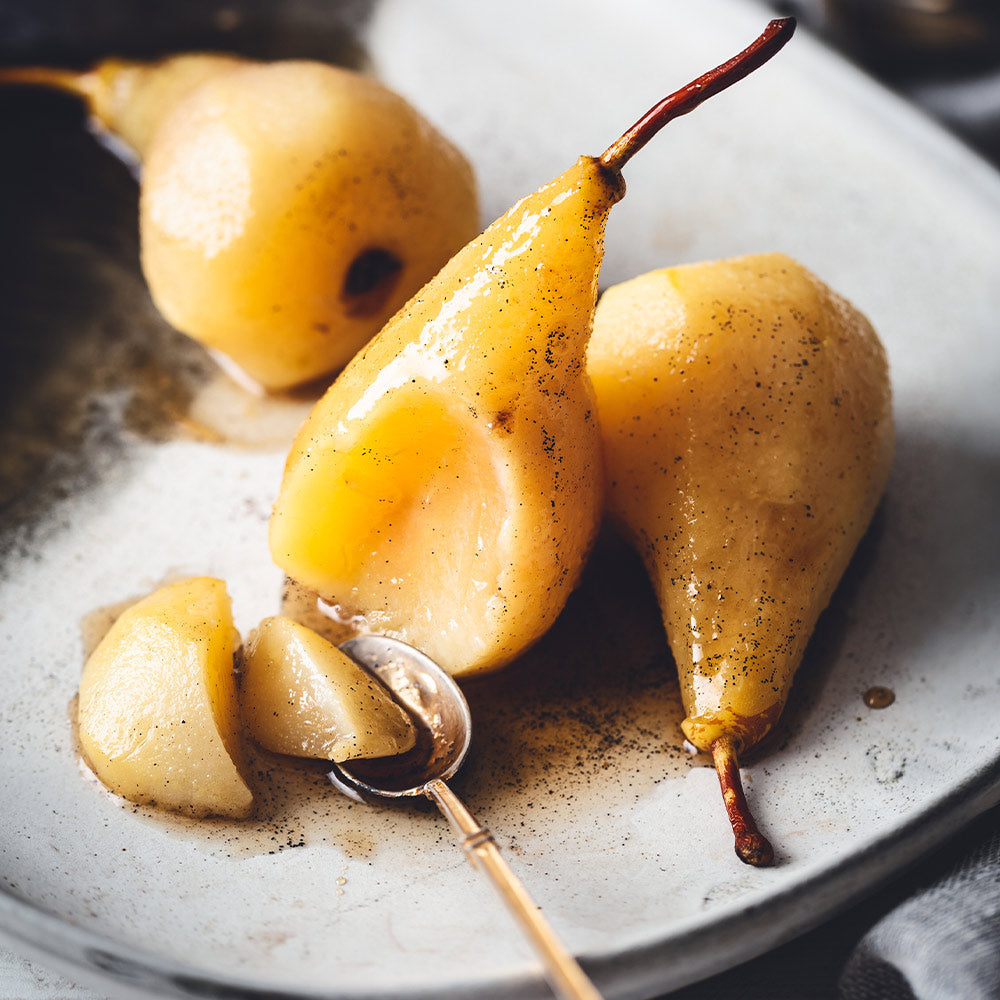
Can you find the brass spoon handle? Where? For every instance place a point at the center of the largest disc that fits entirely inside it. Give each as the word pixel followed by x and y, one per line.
pixel 563 972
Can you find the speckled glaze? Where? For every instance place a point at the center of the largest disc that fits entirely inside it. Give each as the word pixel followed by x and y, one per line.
pixel 124 464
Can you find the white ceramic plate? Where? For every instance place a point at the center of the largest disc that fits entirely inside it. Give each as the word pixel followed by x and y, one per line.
pixel 620 837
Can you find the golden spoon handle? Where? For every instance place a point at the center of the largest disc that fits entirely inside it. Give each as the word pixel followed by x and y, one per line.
pixel 563 972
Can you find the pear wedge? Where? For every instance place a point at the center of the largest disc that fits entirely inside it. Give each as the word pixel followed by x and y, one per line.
pixel 301 696
pixel 287 209
pixel 157 713
pixel 747 419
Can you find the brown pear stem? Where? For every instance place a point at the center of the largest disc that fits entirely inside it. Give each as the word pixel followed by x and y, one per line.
pixel 771 40
pixel 752 847
pixel 78 84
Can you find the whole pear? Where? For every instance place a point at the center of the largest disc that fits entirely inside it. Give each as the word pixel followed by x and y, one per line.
pixel 748 433
pixel 287 209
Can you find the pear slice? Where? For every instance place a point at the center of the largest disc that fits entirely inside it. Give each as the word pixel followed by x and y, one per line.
pixel 300 695
pixel 157 715
pixel 747 421
pixel 448 485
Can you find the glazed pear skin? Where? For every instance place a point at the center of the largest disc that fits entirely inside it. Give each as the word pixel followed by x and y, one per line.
pixel 157 714
pixel 748 434
pixel 448 485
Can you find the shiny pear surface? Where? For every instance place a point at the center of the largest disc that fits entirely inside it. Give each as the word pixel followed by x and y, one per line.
pixel 448 485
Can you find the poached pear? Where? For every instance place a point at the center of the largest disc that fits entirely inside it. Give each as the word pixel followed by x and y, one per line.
pixel 748 433
pixel 447 488
pixel 287 209
pixel 157 713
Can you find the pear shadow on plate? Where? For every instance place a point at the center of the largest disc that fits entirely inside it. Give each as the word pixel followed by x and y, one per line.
pixel 595 703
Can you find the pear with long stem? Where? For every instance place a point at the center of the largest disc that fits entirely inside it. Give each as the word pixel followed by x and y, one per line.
pixel 448 486
pixel 746 410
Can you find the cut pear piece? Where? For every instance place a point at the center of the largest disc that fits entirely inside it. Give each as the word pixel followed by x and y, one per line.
pixel 300 695
pixel 747 421
pixel 157 716
pixel 448 485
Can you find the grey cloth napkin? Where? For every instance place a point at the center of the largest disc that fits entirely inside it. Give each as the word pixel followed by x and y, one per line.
pixel 943 943
pixel 931 934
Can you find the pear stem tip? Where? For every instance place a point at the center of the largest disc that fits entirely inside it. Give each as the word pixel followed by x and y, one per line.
pixel 755 850
pixel 752 847
pixel 767 44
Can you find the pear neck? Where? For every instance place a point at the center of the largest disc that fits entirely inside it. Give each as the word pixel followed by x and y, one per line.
pixel 610 176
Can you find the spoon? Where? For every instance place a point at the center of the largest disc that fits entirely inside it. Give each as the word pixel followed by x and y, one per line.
pixel 444 725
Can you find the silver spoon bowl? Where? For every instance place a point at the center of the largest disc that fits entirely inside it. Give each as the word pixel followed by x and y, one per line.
pixel 435 703
pixel 444 727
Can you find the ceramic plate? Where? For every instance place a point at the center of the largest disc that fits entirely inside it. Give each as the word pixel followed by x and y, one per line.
pixel 127 462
